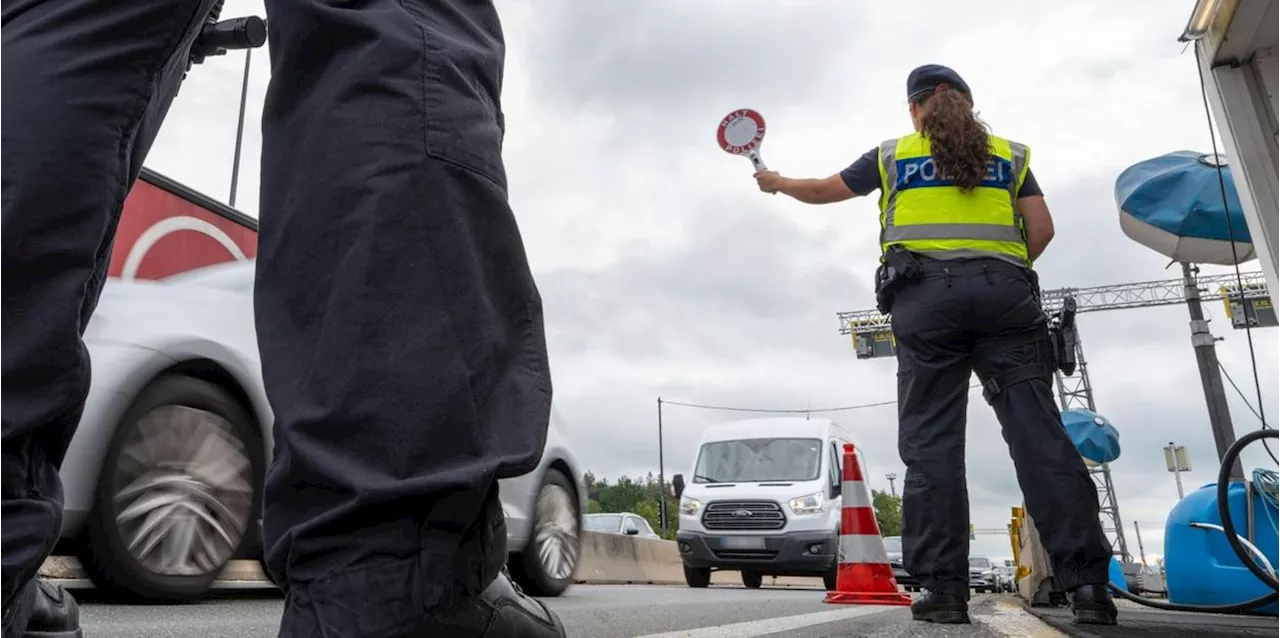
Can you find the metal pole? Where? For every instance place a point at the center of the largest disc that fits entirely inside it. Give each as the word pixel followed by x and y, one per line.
pixel 1215 394
pixel 1142 553
pixel 1176 461
pixel 892 477
pixel 235 163
pixel 662 476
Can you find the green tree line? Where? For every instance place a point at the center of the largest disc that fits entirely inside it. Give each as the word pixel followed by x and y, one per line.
pixel 888 512
pixel 641 495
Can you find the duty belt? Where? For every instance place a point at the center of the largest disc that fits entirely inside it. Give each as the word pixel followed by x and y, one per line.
pixel 898 267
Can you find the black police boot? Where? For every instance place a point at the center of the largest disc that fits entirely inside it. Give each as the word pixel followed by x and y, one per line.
pixel 500 611
pixel 1092 605
pixel 54 613
pixel 940 608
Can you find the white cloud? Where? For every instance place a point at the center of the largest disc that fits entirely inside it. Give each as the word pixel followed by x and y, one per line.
pixel 666 274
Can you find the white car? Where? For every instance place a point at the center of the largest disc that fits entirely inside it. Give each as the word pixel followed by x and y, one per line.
pixel 624 523
pixel 982 575
pixel 163 479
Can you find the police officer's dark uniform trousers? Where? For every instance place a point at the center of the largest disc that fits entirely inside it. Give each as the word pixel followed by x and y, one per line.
pixel 401 332
pixel 963 300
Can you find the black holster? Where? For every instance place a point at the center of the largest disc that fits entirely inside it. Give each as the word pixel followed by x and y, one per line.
pixel 1062 335
pixel 897 268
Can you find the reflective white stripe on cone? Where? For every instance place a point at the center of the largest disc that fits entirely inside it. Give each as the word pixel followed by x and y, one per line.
pixel 862 549
pixel 854 494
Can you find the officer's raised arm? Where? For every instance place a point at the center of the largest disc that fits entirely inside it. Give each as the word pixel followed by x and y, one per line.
pixel 827 190
pixel 860 178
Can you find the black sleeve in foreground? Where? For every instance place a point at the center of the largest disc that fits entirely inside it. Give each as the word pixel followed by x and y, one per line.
pixel 863 176
pixel 1030 187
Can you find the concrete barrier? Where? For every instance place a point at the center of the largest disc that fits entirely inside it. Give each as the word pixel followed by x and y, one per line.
pixel 613 559
pixel 605 559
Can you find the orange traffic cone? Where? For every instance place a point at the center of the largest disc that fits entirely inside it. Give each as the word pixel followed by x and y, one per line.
pixel 864 576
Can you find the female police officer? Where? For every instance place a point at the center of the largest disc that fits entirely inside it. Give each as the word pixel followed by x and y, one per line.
pixel 962 219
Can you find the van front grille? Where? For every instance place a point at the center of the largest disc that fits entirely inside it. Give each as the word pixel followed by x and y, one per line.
pixel 743 515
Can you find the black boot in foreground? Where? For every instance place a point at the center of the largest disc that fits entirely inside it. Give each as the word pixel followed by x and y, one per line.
pixel 54 613
pixel 1092 605
pixel 500 611
pixel 940 608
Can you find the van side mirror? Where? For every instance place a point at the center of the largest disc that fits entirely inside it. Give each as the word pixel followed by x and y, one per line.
pixel 836 489
pixel 677 484
pixel 630 529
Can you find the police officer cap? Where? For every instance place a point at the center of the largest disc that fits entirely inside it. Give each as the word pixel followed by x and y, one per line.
pixel 924 79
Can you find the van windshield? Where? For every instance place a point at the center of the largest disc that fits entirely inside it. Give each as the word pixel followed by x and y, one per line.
pixel 758 460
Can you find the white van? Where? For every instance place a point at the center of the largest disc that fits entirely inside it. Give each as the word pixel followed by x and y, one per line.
pixel 764 499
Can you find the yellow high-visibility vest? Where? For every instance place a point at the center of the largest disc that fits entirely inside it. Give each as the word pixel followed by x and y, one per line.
pixel 924 212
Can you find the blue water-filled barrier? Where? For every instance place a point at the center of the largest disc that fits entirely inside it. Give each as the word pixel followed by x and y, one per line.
pixel 1116 574
pixel 1173 204
pixel 1200 567
pixel 1093 435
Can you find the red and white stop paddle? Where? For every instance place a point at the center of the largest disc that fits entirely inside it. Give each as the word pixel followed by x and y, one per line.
pixel 741 133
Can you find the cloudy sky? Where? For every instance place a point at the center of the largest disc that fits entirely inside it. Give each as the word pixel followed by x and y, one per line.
pixel 665 273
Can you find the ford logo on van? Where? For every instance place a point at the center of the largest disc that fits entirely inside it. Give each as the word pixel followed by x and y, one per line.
pixel 741 513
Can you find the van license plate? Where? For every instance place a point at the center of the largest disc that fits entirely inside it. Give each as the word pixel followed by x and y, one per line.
pixel 741 542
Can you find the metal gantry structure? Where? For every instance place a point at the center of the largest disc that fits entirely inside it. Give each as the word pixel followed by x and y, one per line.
pixel 872 337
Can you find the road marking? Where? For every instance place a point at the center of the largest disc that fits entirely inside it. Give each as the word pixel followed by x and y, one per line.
pixel 774 625
pixel 1010 619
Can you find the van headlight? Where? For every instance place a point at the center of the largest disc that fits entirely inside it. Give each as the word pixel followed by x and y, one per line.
pixel 690 506
pixel 807 504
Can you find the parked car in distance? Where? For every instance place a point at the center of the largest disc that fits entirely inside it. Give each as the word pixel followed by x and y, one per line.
pixel 625 523
pixel 893 547
pixel 163 479
pixel 982 574
pixel 764 500
pixel 1004 577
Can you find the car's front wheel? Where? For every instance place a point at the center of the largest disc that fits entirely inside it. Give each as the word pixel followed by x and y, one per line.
pixel 178 492
pixel 547 564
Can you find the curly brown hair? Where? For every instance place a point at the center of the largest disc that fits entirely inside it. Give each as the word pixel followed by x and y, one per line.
pixel 959 141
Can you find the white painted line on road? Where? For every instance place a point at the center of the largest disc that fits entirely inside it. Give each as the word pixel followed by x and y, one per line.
pixel 1011 620
pixel 774 625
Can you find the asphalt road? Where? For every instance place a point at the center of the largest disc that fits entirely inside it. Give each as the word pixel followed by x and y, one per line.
pixel 1142 622
pixel 600 611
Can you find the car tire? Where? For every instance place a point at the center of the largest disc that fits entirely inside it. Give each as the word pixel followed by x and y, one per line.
pixel 697 577
pixel 546 565
pixel 136 541
pixel 830 577
pixel 752 580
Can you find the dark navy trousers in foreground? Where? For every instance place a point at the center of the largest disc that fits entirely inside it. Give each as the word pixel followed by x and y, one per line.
pixel 981 315
pixel 400 329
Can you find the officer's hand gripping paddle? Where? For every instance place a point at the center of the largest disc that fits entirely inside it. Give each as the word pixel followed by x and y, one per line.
pixel 741 133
